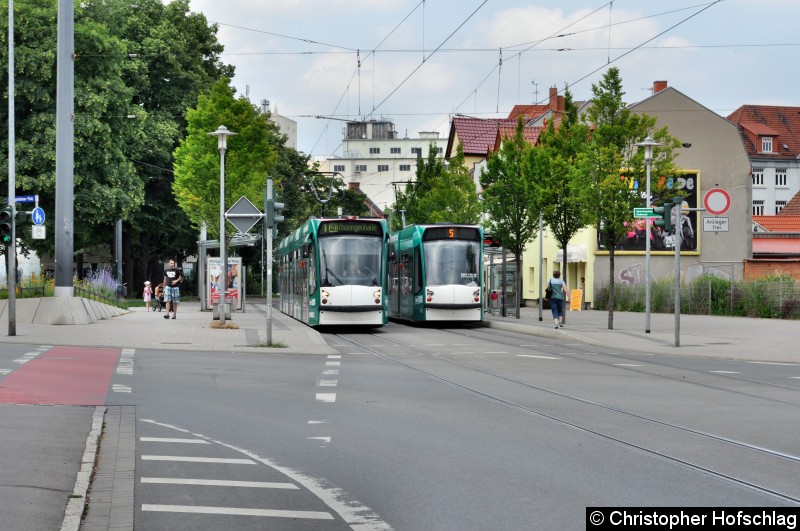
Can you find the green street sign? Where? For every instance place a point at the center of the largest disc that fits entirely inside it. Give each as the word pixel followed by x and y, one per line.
pixel 644 213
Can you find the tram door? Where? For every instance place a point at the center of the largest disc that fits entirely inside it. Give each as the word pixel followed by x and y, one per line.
pixel 405 282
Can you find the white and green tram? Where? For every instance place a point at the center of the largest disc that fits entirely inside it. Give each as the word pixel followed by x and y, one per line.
pixel 332 272
pixel 435 273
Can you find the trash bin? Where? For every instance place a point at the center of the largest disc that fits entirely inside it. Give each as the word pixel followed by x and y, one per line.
pixel 230 300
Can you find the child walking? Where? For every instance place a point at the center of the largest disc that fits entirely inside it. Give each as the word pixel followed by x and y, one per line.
pixel 147 294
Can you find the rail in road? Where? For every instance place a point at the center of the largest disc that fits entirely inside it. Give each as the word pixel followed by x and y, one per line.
pixel 728 454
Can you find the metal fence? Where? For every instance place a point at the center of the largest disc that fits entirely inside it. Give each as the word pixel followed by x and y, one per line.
pixel 776 298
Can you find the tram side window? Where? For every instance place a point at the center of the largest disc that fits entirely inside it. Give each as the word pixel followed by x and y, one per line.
pixel 312 270
pixel 417 273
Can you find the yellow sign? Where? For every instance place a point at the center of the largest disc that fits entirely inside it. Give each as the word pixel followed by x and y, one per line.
pixel 576 299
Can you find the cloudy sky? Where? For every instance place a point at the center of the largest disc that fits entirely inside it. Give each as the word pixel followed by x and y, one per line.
pixel 418 62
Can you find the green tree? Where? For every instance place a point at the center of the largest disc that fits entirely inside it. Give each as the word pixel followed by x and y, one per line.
pixel 558 176
pixel 443 192
pixel 510 197
pixel 614 168
pixel 251 156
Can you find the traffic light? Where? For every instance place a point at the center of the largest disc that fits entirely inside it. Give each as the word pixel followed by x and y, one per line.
pixel 273 206
pixel 665 212
pixel 6 225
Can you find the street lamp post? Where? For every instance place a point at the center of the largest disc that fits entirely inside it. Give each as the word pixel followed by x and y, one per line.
pixel 647 144
pixel 222 135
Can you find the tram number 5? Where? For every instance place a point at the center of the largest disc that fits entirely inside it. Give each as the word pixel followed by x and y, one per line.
pixel 452 233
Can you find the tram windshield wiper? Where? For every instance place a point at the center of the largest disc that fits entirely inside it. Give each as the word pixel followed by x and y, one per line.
pixel 374 276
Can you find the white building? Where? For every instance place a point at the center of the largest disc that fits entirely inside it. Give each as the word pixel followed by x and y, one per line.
pixel 376 160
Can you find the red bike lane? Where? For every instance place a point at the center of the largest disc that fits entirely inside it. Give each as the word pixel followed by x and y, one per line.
pixel 69 376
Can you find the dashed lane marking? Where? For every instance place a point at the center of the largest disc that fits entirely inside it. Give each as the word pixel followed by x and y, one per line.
pixel 237 512
pixel 539 357
pixel 221 483
pixel 119 388
pixel 725 372
pixel 773 363
pixel 5 371
pixel 186 459
pixel 334 356
pixel 328 383
pixel 333 363
pixel 331 372
pixel 627 365
pixel 326 440
pixel 326 397
pixel 173 440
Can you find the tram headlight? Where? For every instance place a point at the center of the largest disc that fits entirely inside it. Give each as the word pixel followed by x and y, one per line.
pixel 325 296
pixel 429 294
pixel 477 295
pixel 377 296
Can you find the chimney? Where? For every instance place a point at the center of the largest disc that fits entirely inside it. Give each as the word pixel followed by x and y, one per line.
pixel 556 102
pixel 658 86
pixel 354 186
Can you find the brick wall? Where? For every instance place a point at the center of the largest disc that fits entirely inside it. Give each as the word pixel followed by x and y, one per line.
pixel 754 269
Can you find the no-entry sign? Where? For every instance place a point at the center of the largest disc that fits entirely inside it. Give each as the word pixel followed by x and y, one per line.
pixel 717 201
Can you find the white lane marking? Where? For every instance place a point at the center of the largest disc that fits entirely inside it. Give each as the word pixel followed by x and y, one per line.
pixel 725 372
pixel 334 356
pixel 125 364
pixel 26 358
pixel 326 440
pixel 221 483
pixel 773 363
pixel 627 365
pixel 333 363
pixel 44 347
pixel 317 421
pixel 355 514
pixel 539 357
pixel 528 346
pixel 186 459
pixel 574 344
pixel 328 383
pixel 173 440
pixel 5 371
pixel 331 372
pixel 498 352
pixel 795 377
pixel 326 397
pixel 198 509
pixel 119 388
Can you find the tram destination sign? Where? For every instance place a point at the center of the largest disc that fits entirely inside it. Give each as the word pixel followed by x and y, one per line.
pixel 452 233
pixel 369 228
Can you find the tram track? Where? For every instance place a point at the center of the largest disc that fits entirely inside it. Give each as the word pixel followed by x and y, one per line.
pixel 629 358
pixel 744 451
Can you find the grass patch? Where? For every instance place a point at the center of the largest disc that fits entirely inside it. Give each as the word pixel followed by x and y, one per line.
pixel 275 344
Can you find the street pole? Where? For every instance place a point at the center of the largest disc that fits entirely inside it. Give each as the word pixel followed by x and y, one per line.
pixel 11 250
pixel 269 267
pixel 648 144
pixel 65 150
pixel 676 213
pixel 541 261
pixel 222 135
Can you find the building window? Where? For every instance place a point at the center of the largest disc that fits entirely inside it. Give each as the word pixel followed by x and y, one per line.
pixel 383 167
pixel 338 167
pixel 374 150
pixel 758 176
pixel 758 207
pixel 405 167
pixel 416 151
pixel 394 150
pixel 766 144
pixel 780 177
pixel 439 150
pixel 361 167
pixel 779 206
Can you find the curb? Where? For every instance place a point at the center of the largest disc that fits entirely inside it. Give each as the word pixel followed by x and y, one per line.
pixel 77 501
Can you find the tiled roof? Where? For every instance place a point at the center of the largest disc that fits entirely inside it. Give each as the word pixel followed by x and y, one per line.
pixel 792 208
pixel 477 134
pixel 779 223
pixel 528 112
pixel 784 246
pixel 782 123
pixel 507 130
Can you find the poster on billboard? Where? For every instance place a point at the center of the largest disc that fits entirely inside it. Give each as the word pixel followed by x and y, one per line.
pixel 663 189
pixel 216 281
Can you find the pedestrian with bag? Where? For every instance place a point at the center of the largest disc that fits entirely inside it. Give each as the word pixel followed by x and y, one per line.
pixel 558 289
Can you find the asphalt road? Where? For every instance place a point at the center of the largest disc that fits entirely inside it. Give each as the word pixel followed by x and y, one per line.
pixel 418 428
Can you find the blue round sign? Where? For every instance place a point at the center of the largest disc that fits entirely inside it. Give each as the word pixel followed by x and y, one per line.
pixel 38 216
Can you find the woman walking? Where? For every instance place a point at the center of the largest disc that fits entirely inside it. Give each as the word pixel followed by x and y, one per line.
pixel 558 297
